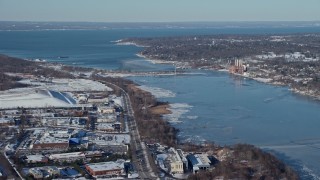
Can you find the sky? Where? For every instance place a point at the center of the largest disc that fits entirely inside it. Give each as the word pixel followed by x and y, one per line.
pixel 159 10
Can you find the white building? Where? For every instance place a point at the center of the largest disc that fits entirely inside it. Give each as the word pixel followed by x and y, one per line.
pixel 107 127
pixel 175 163
pixel 69 157
pixel 36 159
pixel 106 109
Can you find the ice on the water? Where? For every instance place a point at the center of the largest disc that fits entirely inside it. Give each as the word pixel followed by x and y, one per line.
pixel 158 92
pixel 178 110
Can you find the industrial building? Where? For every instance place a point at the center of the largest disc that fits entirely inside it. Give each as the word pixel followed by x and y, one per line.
pixel 112 147
pixel 68 157
pixel 198 162
pixel 36 159
pixel 50 140
pixel 238 67
pixel 111 143
pixel 106 168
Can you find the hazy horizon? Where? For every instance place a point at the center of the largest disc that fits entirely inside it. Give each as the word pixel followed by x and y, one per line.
pixel 42 25
pixel 159 22
pixel 158 11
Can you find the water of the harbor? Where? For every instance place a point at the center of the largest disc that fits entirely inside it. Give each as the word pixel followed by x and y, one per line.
pixel 206 105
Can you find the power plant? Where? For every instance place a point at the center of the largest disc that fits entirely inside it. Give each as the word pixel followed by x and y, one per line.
pixel 238 67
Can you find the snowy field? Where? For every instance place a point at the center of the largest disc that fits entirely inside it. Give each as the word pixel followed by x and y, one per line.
pixel 70 85
pixel 29 98
pixel 55 94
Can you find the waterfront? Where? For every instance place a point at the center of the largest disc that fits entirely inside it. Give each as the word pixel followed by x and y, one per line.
pixel 209 105
pixel 227 110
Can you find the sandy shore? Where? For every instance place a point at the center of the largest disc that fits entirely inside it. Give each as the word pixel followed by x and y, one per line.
pixel 161 109
pixel 121 43
pixel 155 61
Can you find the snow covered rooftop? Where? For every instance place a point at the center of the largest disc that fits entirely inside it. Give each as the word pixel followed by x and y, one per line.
pixel 113 138
pixel 35 158
pixel 67 155
pixel 105 166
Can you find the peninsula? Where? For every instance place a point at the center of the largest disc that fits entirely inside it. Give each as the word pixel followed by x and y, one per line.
pixel 281 59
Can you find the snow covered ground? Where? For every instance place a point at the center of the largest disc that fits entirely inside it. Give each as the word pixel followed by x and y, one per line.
pixel 48 94
pixel 70 85
pixel 29 98
pixel 158 92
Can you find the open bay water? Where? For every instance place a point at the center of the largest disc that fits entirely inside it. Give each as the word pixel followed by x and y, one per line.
pixel 219 107
pixel 206 105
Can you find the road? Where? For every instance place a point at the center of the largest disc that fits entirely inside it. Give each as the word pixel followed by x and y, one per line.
pixel 139 150
pixel 8 167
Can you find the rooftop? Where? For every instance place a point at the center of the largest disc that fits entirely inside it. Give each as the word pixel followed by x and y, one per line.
pixel 103 166
pixel 112 138
pixel 199 159
pixel 67 155
pixel 6 120
pixel 105 126
pixel 35 158
pixel 174 156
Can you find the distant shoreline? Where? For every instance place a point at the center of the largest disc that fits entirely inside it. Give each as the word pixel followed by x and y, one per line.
pixel 262 80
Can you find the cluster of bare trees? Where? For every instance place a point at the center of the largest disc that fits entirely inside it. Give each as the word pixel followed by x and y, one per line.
pixel 16 65
pixel 8 82
pixel 249 162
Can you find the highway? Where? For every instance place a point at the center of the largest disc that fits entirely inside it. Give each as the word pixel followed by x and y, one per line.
pixel 138 148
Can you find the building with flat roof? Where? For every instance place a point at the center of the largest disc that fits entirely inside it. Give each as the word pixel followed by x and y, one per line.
pixel 93 154
pixel 112 143
pixel 36 159
pixel 199 162
pixel 51 140
pixel 106 127
pixel 106 109
pixel 69 157
pixel 175 162
pixel 183 158
pixel 106 168
pixel 111 147
pixel 36 173
pixel 52 170
pixel 107 118
pixel 6 121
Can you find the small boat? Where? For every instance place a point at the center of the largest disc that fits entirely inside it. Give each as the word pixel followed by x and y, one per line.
pixel 63 57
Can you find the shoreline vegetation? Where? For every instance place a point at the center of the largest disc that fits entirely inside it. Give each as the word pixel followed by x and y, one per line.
pixel 237 161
